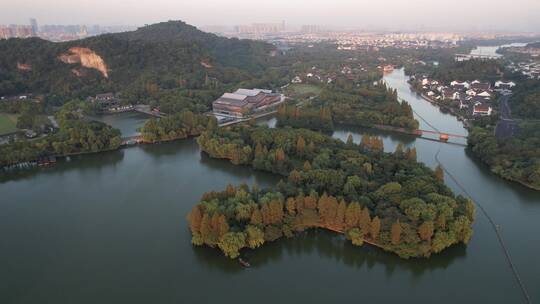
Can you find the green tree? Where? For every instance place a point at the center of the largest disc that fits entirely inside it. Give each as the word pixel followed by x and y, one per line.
pixel 255 236
pixel 231 243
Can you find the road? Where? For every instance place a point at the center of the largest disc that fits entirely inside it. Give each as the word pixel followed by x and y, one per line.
pixel 506 127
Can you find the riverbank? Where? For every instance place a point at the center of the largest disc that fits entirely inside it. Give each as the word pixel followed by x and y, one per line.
pixel 446 109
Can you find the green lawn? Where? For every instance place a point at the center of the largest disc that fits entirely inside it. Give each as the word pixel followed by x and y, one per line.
pixel 8 123
pixel 304 89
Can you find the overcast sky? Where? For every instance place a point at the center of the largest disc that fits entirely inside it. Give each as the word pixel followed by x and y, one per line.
pixel 516 15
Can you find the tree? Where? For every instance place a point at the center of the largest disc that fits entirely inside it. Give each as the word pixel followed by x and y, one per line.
pixel 291 206
pixel 195 219
pixel 307 166
pixel 399 150
pixel 356 235
pixel 339 221
pixel 439 173
pixel 300 146
pixel 206 230
pixel 280 155
pixel 365 220
pixel 375 228
pixel 352 215
pixel 255 236
pixel 350 140
pixel 396 233
pixel 231 243
pixel 411 153
pixel 426 230
pixel 256 218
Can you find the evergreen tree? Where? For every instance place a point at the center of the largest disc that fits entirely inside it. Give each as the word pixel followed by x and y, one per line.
pixel 350 140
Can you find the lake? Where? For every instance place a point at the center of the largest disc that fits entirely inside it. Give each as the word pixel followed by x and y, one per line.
pixel 112 228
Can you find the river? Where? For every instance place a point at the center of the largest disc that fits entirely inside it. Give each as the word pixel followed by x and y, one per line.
pixel 112 228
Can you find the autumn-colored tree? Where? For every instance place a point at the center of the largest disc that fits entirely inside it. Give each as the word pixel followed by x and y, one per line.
pixel 365 143
pixel 375 228
pixel 311 147
pixel 411 153
pixel 439 173
pixel 276 212
pixel 307 166
pixel 327 207
pixel 396 233
pixel 399 150
pixel 352 215
pixel 310 201
pixel 195 219
pixel 339 222
pixel 426 230
pixel 256 217
pixel 280 155
pixel 266 215
pixel 299 203
pixel 291 206
pixel 230 190
pixel 206 229
pixel 300 146
pixel 365 220
pixel 295 177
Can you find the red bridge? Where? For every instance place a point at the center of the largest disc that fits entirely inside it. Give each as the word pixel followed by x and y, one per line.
pixel 443 137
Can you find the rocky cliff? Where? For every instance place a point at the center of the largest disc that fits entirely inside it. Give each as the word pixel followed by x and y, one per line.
pixel 87 58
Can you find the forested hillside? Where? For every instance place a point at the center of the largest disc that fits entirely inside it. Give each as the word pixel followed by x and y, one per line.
pixel 154 62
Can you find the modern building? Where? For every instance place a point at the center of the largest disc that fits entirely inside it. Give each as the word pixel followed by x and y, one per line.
pixel 245 101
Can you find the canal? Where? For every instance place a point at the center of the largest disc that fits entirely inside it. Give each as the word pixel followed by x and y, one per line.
pixel 112 228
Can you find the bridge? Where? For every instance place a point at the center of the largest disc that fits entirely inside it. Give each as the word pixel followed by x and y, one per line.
pixel 443 137
pixel 145 109
pixel 131 140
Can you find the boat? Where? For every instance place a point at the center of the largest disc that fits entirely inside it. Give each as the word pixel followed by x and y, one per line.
pixel 244 263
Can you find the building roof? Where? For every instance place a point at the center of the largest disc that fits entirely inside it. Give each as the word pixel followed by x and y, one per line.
pixel 482 108
pixel 234 96
pixel 247 92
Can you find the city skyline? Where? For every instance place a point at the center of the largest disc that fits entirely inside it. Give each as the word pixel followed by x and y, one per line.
pixel 459 15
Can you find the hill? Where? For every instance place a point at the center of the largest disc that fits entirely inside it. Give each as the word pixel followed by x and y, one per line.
pixel 142 63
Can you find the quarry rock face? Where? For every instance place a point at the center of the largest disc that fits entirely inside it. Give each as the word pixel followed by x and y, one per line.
pixel 24 66
pixel 87 58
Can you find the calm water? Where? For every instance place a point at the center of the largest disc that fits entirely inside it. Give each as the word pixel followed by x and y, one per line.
pixel 128 122
pixel 492 50
pixel 111 228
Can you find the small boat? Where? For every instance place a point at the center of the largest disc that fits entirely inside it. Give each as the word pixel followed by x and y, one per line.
pixel 244 263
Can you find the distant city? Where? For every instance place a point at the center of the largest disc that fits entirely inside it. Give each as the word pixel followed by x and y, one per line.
pixel 279 33
pixel 353 38
pixel 54 32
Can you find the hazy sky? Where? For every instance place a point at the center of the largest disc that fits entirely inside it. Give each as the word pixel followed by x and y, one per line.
pixel 452 14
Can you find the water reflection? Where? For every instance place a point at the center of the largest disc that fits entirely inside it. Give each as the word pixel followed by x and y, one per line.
pixel 94 162
pixel 316 244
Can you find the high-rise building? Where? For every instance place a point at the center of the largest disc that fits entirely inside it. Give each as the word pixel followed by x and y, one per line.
pixel 34 25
